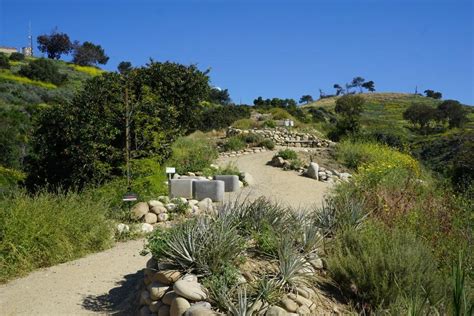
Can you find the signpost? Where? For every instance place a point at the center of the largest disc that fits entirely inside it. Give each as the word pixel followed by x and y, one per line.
pixel 129 197
pixel 170 171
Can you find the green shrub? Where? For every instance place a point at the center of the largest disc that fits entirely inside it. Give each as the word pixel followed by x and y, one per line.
pixel 287 154
pixel 48 228
pixel 234 143
pixel 296 164
pixel 280 114
pixel 43 70
pixel 269 124
pixel 17 56
pixel 251 138
pixel 220 117
pixel 245 124
pixel 267 143
pixel 4 64
pixel 379 267
pixel 9 179
pixel 192 153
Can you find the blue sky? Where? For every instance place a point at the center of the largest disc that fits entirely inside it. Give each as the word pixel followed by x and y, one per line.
pixel 273 48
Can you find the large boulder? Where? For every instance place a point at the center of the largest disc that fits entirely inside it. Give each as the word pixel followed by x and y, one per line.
pixel 179 306
pixel 312 171
pixel 276 311
pixel 277 161
pixel 190 290
pixel 139 210
pixel 151 218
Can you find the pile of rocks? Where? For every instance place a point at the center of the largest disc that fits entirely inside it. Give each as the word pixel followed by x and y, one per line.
pixel 283 137
pixel 158 212
pixel 166 292
pixel 246 151
pixel 312 170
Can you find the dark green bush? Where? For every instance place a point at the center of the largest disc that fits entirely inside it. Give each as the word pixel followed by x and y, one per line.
pixel 269 124
pixel 17 57
pixel 267 143
pixel 234 143
pixel 287 154
pixel 220 117
pixel 378 267
pixel 43 70
pixel 251 138
pixel 4 64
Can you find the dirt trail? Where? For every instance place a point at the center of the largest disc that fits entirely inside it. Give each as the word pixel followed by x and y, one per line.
pixel 104 283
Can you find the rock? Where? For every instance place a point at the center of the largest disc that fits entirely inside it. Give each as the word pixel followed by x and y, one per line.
pixel 151 218
pixel 179 306
pixel 123 228
pixel 191 174
pixel 145 311
pixel 317 263
pixel 169 297
pixel 302 301
pixel 146 228
pixel 321 174
pixel 286 165
pixel 289 304
pixel 170 207
pixel 277 161
pixel 139 210
pixel 199 311
pixel 163 217
pixel 154 203
pixel 312 171
pixel 345 176
pixel 157 290
pixel 164 310
pixel 247 178
pixel 206 206
pixel 155 306
pixel 144 298
pixel 151 264
pixel 202 304
pixel 158 209
pixel 190 290
pixel 164 199
pixel 176 176
pixel 193 202
pixel 305 292
pixel 256 307
pixel 241 184
pixel 167 277
pixel 303 310
pixel 276 311
pixel 190 277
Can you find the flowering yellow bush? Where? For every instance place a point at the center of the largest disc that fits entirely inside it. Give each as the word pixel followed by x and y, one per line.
pixel 93 71
pixel 11 77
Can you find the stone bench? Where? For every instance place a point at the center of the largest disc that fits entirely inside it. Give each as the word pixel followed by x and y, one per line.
pixel 181 188
pixel 213 189
pixel 231 182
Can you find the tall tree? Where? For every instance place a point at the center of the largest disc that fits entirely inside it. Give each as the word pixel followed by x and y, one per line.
pixel 349 108
pixel 369 85
pixel 357 82
pixel 306 99
pixel 219 96
pixel 89 54
pixel 124 67
pixel 54 44
pixel 433 94
pixel 453 112
pixel 420 114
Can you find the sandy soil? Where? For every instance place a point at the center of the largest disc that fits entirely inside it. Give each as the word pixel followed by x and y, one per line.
pixel 104 283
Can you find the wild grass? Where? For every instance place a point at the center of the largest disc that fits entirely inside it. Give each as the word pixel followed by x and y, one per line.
pixel 49 228
pixel 192 153
pixel 234 143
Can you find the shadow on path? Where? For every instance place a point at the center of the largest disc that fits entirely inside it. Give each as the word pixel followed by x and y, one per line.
pixel 118 301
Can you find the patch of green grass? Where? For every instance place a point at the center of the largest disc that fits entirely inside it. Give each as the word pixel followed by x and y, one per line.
pixel 48 228
pixel 192 153
pixel 287 154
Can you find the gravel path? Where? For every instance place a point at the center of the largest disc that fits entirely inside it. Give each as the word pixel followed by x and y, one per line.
pixel 104 283
pixel 286 187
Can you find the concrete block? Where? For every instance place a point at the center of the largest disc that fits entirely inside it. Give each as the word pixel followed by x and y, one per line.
pixel 181 188
pixel 231 182
pixel 213 189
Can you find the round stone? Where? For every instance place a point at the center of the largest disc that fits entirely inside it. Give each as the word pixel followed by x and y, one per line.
pixel 190 290
pixel 151 218
pixel 153 203
pixel 157 290
pixel 275 311
pixel 159 209
pixel 289 304
pixel 167 276
pixel 155 306
pixel 164 310
pixel 163 217
pixel 139 210
pixel 169 297
pixel 179 306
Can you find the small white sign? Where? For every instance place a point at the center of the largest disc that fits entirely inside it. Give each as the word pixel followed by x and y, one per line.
pixel 170 170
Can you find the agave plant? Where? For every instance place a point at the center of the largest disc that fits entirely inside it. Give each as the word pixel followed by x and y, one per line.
pixel 291 264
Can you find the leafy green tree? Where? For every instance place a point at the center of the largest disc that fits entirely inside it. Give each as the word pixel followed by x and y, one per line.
pixel 54 44
pixel 43 70
pixel 14 126
pixel 124 67
pixel 357 82
pixel 420 114
pixel 4 64
pixel 349 109
pixel 89 54
pixel 219 96
pixel 433 94
pixel 453 112
pixel 306 99
pixel 17 56
pixel 369 85
pixel 83 143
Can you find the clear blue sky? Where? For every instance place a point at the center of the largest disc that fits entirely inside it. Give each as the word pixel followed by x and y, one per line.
pixel 273 48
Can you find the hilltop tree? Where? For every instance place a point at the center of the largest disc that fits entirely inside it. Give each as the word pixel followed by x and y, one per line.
pixel 124 67
pixel 420 114
pixel 339 89
pixel 369 85
pixel 219 96
pixel 89 54
pixel 453 112
pixel 433 94
pixel 306 99
pixel 54 44
pixel 357 82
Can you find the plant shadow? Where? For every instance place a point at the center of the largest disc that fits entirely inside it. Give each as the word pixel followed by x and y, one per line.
pixel 120 300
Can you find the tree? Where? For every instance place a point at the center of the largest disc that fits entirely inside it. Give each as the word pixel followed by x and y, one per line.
pixel 219 96
pixel 349 108
pixel 124 67
pixel 83 143
pixel 17 56
pixel 357 82
pixel 420 114
pixel 433 94
pixel 369 85
pixel 453 112
pixel 89 54
pixel 339 89
pixel 4 63
pixel 306 99
pixel 54 44
pixel 43 70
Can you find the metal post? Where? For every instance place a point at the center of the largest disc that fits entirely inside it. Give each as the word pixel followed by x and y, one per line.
pixel 127 135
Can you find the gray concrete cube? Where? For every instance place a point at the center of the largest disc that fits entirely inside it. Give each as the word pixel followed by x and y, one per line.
pixel 213 189
pixel 231 182
pixel 181 188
